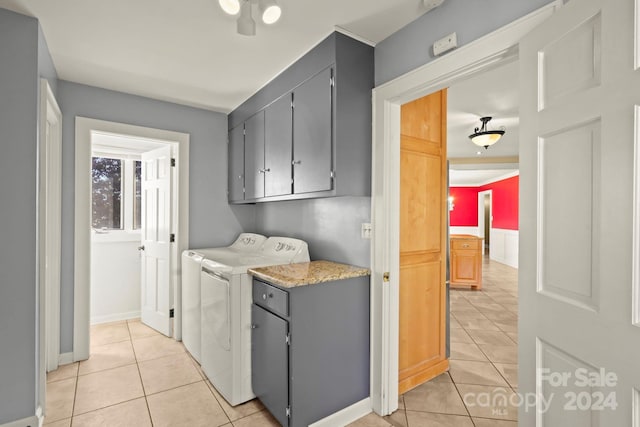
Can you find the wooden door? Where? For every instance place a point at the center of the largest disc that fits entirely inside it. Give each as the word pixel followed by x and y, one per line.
pixel 423 246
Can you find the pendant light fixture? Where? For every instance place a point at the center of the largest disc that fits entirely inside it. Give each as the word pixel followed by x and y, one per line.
pixel 484 137
pixel 270 13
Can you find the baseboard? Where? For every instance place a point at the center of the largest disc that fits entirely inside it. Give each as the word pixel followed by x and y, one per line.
pixel 96 320
pixel 346 415
pixel 32 421
pixel 65 359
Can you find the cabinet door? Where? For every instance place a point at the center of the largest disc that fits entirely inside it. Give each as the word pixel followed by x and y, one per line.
pixel 254 157
pixel 270 362
pixel 312 134
pixel 236 164
pixel 278 147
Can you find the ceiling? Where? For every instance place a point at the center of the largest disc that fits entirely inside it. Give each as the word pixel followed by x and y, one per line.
pixel 192 55
pixel 491 93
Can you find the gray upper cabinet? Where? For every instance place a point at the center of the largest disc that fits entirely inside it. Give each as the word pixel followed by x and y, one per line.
pixel 254 157
pixel 278 147
pixel 312 131
pixel 236 164
pixel 320 147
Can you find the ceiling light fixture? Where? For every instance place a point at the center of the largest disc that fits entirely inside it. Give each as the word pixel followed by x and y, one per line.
pixel 246 25
pixel 270 13
pixel 484 137
pixel 232 7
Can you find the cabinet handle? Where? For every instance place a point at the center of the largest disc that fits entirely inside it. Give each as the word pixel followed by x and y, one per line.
pixel 254 326
pixel 264 170
pixel 239 176
pixel 296 162
pixel 465 246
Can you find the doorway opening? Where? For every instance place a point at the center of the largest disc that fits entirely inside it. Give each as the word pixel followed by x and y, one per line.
pixel 116 222
pixel 498 48
pixel 112 159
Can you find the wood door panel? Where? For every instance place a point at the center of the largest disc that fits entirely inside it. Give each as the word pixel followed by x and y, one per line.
pixel 420 287
pixel 423 210
pixel 422 118
pixel 420 202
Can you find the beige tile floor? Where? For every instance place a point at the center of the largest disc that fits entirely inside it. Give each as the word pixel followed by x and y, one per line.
pixel 484 336
pixel 137 377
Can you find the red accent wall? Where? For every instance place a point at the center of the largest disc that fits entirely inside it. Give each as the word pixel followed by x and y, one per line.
pixel 465 207
pixel 504 194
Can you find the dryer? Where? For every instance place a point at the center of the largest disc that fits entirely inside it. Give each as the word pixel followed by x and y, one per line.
pixel 226 314
pixel 191 267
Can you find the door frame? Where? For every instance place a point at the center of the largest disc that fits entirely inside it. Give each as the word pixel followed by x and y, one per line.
pixel 481 217
pixel 49 236
pixel 82 236
pixel 490 51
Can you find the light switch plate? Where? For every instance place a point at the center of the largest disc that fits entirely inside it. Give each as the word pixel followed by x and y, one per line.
pixel 365 232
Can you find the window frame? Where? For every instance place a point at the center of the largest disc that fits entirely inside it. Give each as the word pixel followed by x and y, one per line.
pixel 127 200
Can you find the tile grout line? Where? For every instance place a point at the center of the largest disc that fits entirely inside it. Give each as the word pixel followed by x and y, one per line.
pixel 144 391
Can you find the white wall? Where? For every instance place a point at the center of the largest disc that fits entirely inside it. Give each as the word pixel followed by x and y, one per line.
pixel 115 279
pixel 504 246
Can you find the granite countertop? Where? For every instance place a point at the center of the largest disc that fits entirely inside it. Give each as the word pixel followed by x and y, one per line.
pixel 307 273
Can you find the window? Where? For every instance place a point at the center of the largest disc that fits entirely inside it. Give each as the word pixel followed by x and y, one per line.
pixel 137 203
pixel 106 177
pixel 116 193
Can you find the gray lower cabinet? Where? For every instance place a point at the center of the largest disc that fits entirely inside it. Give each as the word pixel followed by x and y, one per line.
pixel 236 164
pixel 312 134
pixel 310 348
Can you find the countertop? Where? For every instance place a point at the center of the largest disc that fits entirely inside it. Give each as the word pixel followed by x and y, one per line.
pixel 465 236
pixel 307 273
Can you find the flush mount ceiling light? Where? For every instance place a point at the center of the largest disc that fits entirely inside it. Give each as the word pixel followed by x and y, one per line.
pixel 270 13
pixel 484 137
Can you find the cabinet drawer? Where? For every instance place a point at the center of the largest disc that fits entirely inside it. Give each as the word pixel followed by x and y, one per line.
pixel 271 297
pixel 457 244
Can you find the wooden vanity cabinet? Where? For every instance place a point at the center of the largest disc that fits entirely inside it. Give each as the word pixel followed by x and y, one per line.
pixel 466 260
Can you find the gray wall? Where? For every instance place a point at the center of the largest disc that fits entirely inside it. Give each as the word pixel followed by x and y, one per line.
pixel 24 59
pixel 410 47
pixel 330 226
pixel 212 222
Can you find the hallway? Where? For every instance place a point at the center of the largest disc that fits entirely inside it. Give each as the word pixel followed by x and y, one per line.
pixel 483 363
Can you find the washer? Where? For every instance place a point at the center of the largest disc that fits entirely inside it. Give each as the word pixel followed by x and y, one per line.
pixel 226 314
pixel 191 267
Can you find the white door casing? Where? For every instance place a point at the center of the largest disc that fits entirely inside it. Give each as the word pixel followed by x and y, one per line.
pixel 579 93
pixel 155 239
pixel 84 127
pixel 49 235
pixel 494 49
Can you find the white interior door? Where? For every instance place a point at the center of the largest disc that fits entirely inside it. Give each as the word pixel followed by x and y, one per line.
pixel 155 240
pixel 580 91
